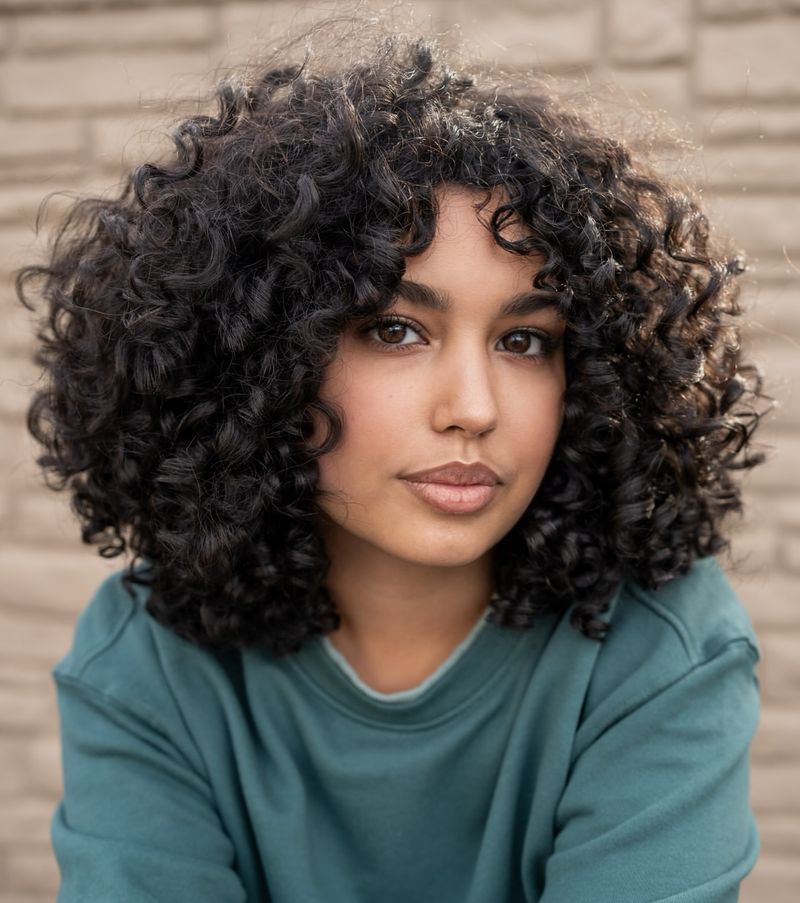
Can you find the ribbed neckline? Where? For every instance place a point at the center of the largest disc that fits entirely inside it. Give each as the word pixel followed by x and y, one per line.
pixel 424 685
pixel 480 657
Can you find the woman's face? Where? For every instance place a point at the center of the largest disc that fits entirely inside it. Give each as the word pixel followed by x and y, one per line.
pixel 469 383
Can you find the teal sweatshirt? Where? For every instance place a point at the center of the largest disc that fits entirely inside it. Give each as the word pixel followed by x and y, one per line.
pixel 533 765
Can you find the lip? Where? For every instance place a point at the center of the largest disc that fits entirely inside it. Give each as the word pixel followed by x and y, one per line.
pixel 456 473
pixel 454 499
pixel 455 488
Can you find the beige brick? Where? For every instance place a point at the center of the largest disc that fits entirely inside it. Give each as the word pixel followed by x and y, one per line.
pixel 18 379
pixel 33 636
pixel 789 554
pixel 771 600
pixel 41 138
pixel 55 581
pixel 27 5
pixel 26 705
pixel 776 788
pixel 539 6
pixel 19 896
pixel 754 543
pixel 771 482
pixel 780 358
pixel 20 203
pixel 753 165
pixel 103 81
pixel 241 25
pixel 31 766
pixel 780 669
pixel 780 835
pixel 20 206
pixel 520 37
pixel 736 8
pixel 774 271
pixel 26 818
pixel 784 511
pixel 42 517
pixel 5 511
pixel 18 325
pixel 13 753
pixel 247 29
pixel 778 737
pixel 771 309
pixel 125 141
pixel 55 173
pixel 761 224
pixel 773 880
pixel 18 245
pixel 749 121
pixel 47 32
pixel 649 32
pixel 31 867
pixel 780 475
pixel 43 764
pixel 757 59
pixel 665 88
pixel 24 676
pixel 14 478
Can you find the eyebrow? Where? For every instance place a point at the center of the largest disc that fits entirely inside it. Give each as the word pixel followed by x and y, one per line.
pixel 432 298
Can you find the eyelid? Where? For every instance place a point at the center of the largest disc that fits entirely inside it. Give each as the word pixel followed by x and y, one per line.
pixel 382 319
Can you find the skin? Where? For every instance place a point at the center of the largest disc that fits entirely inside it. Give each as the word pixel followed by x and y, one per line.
pixel 410 581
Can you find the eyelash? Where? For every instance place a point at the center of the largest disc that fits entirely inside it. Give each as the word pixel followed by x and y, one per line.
pixel 548 343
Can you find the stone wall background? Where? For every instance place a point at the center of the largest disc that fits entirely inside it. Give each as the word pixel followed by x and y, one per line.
pixel 82 87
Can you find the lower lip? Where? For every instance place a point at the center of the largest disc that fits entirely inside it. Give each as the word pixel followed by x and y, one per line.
pixel 454 499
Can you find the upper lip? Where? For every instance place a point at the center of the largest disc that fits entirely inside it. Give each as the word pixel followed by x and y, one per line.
pixel 457 473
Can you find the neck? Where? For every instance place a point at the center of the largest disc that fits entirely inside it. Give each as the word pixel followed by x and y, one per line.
pixel 400 620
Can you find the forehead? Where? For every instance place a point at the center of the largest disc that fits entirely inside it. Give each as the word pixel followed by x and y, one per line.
pixel 466 209
pixel 463 260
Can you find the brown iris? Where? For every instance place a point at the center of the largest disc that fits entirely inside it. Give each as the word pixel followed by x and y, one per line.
pixel 390 332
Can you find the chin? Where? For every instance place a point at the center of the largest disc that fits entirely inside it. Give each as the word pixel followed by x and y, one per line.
pixel 444 554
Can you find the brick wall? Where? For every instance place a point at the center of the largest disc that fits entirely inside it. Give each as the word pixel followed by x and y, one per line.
pixel 82 87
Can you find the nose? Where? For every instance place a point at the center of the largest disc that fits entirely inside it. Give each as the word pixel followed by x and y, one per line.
pixel 464 393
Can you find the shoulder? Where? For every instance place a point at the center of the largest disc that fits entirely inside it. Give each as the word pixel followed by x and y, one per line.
pixel 658 637
pixel 699 611
pixel 121 653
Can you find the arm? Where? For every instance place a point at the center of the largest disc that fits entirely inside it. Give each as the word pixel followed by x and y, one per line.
pixel 656 807
pixel 137 822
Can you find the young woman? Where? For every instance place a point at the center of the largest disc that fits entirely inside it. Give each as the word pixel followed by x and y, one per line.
pixel 417 405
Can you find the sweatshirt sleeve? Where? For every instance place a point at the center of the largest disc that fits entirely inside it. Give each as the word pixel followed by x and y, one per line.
pixel 656 807
pixel 137 821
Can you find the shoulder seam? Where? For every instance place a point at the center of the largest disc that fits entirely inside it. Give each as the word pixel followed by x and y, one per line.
pixel 648 599
pixel 101 646
pixel 704 662
pixel 648 697
pixel 111 703
pixel 693 652
pixel 116 707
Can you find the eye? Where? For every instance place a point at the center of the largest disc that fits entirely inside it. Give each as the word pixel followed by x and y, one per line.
pixel 397 333
pixel 391 331
pixel 527 343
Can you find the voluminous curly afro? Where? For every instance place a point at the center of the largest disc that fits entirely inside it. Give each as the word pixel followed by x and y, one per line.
pixel 191 317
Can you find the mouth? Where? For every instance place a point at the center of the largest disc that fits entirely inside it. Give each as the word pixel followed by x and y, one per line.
pixel 456 473
pixel 453 498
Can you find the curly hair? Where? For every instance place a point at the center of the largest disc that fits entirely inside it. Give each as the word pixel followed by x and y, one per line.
pixel 190 318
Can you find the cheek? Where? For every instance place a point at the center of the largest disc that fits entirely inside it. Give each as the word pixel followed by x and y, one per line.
pixel 536 425
pixel 371 425
pixel 375 402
